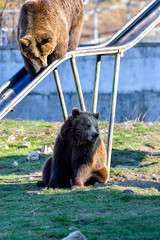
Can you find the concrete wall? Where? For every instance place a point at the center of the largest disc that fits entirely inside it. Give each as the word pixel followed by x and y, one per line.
pixel 138 91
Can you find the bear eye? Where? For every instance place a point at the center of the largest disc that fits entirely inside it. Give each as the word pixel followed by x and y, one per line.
pixel 44 41
pixel 88 125
pixel 23 45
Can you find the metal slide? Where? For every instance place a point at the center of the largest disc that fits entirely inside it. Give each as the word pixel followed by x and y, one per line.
pixel 14 90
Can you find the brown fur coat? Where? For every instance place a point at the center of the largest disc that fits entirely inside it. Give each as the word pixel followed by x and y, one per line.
pixel 47 29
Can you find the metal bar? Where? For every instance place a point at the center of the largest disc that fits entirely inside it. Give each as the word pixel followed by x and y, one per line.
pixel 128 5
pixel 60 94
pixel 95 26
pixel 96 84
pixel 1 39
pixel 113 109
pixel 77 84
pixel 114 7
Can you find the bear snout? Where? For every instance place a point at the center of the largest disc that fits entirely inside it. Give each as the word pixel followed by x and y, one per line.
pixel 95 135
pixel 92 137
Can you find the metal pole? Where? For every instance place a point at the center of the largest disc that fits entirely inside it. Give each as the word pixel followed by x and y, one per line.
pixel 95 26
pixel 113 109
pixel 96 84
pixel 77 84
pixel 128 5
pixel 60 94
pixel 1 38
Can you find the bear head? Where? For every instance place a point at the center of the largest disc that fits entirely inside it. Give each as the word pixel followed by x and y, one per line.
pixel 84 126
pixel 38 46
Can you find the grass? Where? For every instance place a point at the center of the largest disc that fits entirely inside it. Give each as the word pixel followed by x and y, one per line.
pixel 128 207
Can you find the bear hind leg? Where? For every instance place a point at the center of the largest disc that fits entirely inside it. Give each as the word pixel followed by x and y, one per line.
pixel 100 176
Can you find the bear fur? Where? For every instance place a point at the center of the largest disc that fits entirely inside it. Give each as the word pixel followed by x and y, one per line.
pixel 79 154
pixel 47 29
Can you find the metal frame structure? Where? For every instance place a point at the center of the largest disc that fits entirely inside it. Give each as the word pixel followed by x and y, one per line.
pixel 14 90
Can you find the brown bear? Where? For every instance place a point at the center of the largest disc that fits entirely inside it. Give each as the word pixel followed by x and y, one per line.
pixel 47 29
pixel 79 154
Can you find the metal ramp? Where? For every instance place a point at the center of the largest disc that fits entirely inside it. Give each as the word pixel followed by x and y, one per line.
pixel 14 90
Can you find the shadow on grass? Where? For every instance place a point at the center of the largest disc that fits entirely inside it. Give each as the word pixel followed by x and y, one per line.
pixel 30 186
pixel 124 158
pixel 133 158
pixel 22 165
pixel 19 186
pixel 24 183
pixel 119 157
pixel 140 184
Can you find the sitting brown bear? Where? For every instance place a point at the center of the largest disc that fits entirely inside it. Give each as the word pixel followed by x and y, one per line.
pixel 79 155
pixel 47 29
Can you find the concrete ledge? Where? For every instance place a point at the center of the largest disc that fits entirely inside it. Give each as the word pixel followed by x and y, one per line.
pixel 130 106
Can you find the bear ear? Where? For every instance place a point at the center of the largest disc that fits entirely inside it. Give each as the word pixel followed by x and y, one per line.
pixel 75 112
pixel 24 42
pixel 96 115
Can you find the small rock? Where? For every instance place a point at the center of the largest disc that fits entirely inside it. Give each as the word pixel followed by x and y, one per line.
pixel 46 149
pixel 123 166
pixel 128 191
pixel 72 228
pixel 33 156
pixel 15 164
pixel 132 160
pixel 11 138
pixel 5 147
pixel 154 177
pixel 26 144
pixel 77 235
pixel 50 150
pixel 30 178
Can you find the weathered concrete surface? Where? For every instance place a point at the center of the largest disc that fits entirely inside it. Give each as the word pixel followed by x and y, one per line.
pixel 130 106
pixel 138 91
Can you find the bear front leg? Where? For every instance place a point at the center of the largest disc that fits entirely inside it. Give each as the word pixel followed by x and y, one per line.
pixel 81 174
pixel 53 183
pixel 75 33
pixel 59 51
pixel 46 174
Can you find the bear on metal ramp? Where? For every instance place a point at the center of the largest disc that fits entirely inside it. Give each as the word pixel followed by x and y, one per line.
pixel 47 29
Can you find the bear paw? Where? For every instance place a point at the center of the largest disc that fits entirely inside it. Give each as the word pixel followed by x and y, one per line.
pixel 77 186
pixel 40 184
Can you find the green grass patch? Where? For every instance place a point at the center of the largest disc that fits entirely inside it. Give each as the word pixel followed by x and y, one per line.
pixel 128 207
